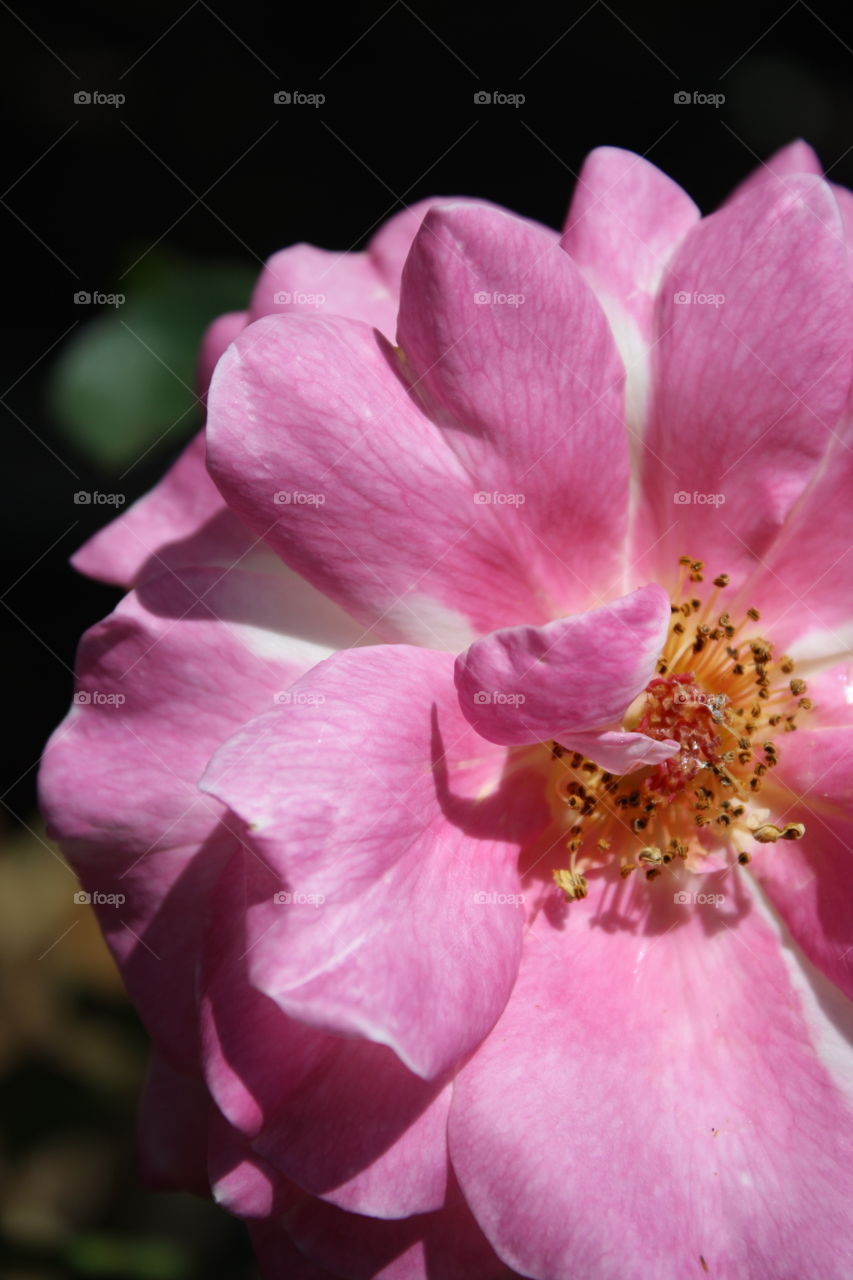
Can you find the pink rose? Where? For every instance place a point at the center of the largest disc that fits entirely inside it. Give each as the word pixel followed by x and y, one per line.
pixel 487 913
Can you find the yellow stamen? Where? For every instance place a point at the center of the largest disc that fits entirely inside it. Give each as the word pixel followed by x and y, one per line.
pixel 723 697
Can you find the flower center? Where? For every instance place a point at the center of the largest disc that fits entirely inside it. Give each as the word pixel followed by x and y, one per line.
pixel 724 698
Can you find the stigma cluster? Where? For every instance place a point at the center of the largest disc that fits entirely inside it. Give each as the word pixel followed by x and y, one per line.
pixel 727 700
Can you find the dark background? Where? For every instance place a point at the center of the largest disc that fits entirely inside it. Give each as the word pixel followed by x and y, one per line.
pixel 92 188
pixel 197 178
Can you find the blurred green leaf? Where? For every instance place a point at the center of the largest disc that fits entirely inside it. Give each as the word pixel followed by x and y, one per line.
pixel 136 1257
pixel 125 382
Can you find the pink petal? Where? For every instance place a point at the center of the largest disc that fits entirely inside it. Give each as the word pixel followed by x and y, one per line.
pixel 664 1086
pixel 182 523
pixel 831 690
pixel 390 246
pixel 405 923
pixel 323 282
pixel 803 587
pixel 625 221
pixel 749 390
pixel 844 199
pixel 509 349
pixel 183 520
pixel 241 1181
pixel 446 1245
pixel 364 286
pixel 535 684
pixel 291 1089
pixel 219 335
pixel 811 882
pixel 796 157
pixel 621 752
pixel 161 683
pixel 317 444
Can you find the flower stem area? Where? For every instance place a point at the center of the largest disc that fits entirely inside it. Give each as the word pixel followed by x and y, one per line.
pixel 72 1062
